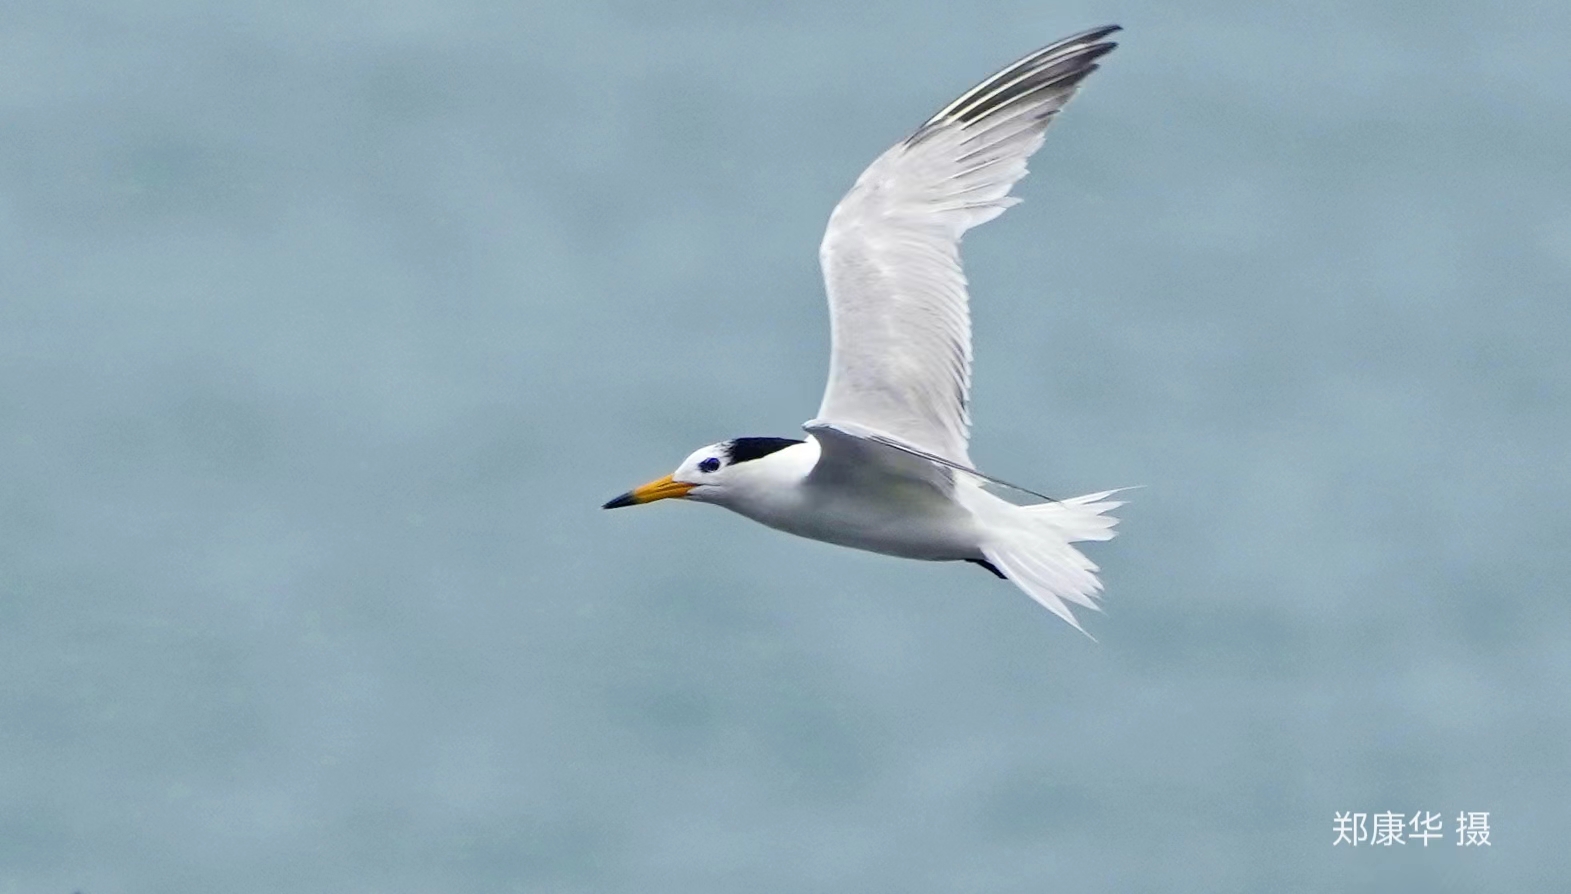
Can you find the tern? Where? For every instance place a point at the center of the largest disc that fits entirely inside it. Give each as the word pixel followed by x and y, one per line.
pixel 885 465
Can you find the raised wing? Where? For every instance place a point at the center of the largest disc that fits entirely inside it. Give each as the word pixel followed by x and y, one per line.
pixel 900 326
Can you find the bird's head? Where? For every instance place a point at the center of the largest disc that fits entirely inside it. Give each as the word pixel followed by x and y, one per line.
pixel 709 474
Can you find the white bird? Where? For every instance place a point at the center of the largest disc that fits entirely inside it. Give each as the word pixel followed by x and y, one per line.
pixel 884 467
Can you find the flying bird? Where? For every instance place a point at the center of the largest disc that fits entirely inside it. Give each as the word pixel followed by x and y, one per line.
pixel 885 466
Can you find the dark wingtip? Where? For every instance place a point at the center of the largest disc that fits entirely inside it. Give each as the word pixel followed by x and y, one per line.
pixel 618 502
pixel 1096 33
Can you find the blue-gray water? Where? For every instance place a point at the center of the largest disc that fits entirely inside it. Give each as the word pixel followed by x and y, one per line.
pixel 326 327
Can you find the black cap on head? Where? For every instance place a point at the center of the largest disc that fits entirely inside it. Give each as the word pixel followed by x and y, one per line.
pixel 740 450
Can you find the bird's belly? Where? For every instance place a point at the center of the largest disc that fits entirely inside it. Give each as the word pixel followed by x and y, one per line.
pixel 913 523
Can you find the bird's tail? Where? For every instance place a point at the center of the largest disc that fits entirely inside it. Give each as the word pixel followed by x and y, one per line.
pixel 1031 546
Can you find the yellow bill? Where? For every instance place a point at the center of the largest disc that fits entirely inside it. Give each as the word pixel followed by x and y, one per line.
pixel 659 489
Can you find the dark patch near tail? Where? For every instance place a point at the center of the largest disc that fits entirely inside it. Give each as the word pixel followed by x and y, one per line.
pixel 740 450
pixel 989 566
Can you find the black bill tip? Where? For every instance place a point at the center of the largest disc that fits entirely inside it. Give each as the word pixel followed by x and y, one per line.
pixel 624 500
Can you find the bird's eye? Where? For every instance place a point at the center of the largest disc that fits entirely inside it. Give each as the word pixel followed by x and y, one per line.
pixel 709 465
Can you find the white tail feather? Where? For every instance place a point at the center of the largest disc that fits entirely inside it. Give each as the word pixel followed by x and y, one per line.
pixel 1031 546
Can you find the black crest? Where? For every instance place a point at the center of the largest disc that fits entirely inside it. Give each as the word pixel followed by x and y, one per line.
pixel 740 450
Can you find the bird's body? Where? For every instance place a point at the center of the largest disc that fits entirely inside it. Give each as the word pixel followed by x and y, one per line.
pixel 885 466
pixel 866 508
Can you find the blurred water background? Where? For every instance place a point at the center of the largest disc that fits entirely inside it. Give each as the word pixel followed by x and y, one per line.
pixel 325 327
